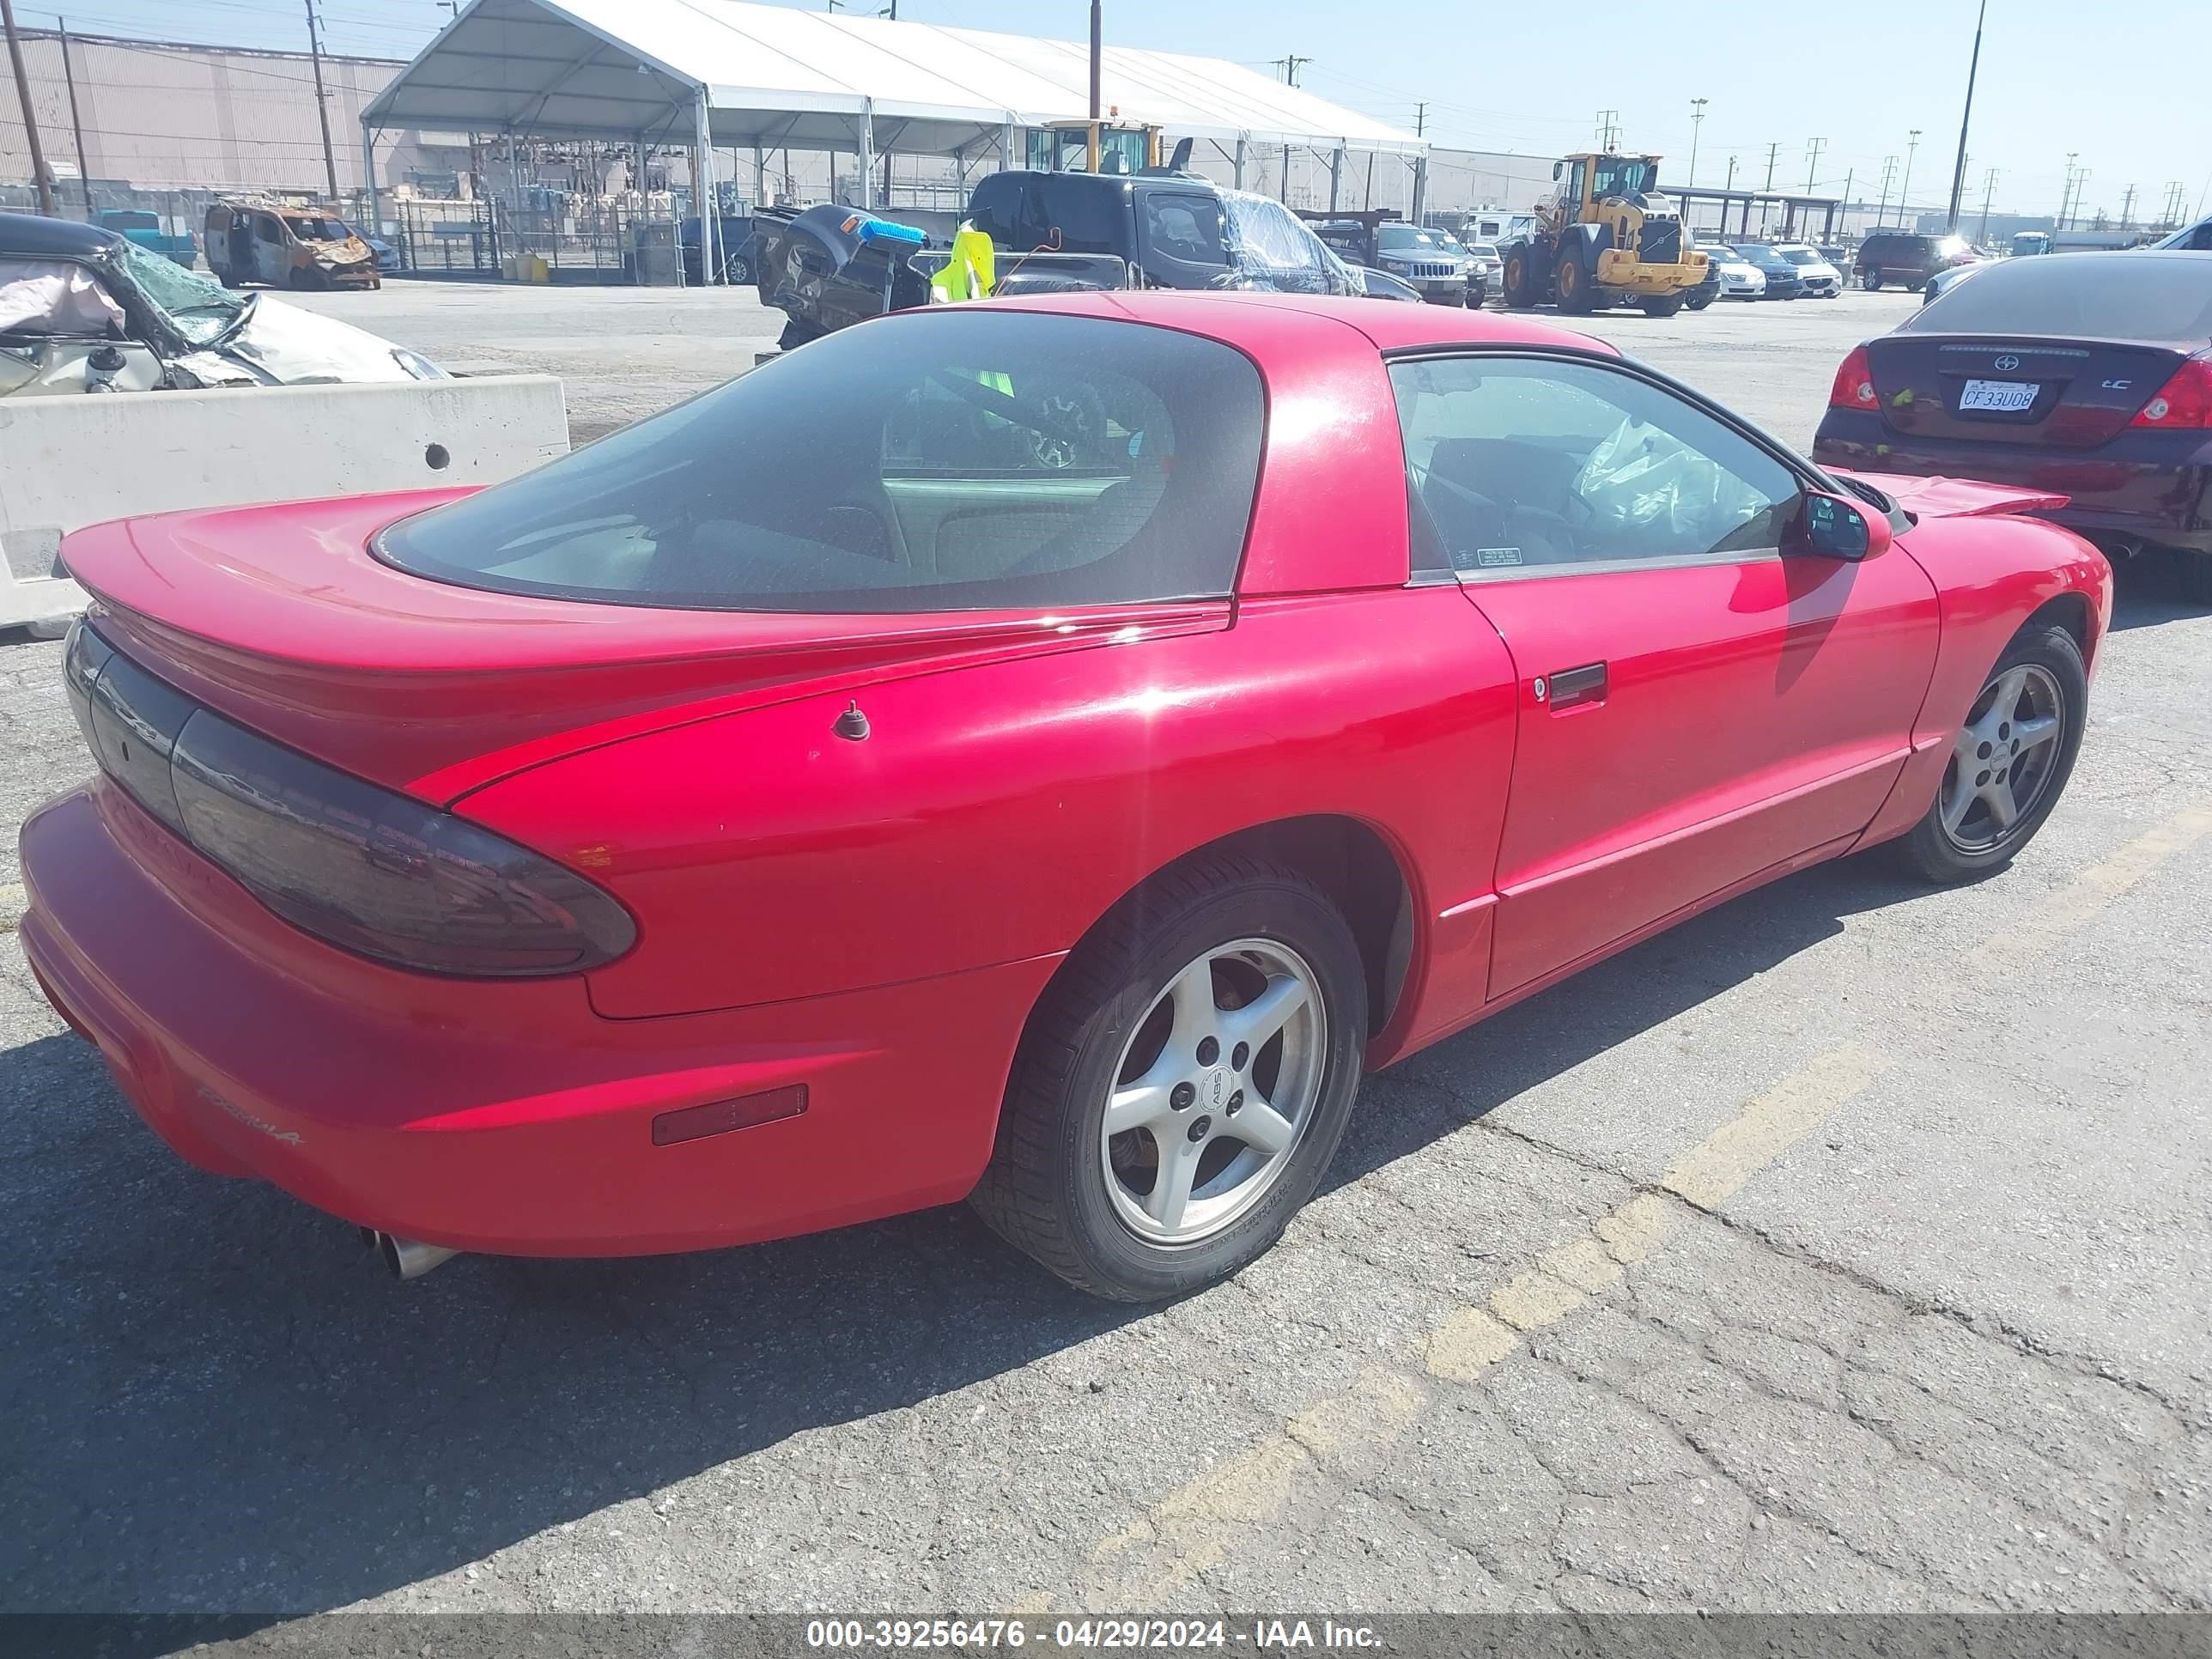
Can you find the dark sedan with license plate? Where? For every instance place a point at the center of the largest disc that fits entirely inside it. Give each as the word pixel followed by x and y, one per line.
pixel 2088 376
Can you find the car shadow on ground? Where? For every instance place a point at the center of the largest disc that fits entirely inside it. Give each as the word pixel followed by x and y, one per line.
pixel 216 1402
pixel 2147 592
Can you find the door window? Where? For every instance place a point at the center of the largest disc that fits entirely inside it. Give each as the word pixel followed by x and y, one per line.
pixel 266 229
pixel 1522 466
pixel 1185 226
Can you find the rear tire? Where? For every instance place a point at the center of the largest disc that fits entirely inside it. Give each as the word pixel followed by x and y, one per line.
pixel 1661 305
pixel 2036 697
pixel 1124 1020
pixel 1701 301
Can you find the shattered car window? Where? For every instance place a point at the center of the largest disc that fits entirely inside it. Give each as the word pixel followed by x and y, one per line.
pixel 197 306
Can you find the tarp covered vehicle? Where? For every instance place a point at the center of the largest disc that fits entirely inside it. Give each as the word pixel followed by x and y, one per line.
pixel 254 241
pixel 83 309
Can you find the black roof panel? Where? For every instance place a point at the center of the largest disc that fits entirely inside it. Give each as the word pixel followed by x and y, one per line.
pixel 26 232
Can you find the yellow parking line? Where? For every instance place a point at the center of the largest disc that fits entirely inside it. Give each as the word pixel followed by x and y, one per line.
pixel 1196 1526
pixel 2081 899
pixel 1769 1126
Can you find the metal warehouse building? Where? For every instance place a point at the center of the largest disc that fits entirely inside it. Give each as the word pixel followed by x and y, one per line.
pixel 159 116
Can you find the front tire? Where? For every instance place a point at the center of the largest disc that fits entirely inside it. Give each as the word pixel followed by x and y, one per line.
pixel 1182 1084
pixel 2009 760
pixel 1871 281
pixel 1665 305
pixel 1518 279
pixel 1577 294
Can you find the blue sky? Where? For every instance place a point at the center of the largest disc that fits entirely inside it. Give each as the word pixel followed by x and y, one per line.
pixel 2118 83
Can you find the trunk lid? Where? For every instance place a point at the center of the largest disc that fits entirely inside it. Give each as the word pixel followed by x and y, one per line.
pixel 282 619
pixel 2061 393
pixel 1955 498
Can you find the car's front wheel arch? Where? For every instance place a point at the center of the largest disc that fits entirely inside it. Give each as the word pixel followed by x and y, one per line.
pixel 2071 612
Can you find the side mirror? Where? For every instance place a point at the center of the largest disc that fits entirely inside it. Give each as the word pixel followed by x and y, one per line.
pixel 1831 527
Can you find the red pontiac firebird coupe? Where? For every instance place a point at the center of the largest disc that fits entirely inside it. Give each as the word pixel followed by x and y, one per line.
pixel 1038 753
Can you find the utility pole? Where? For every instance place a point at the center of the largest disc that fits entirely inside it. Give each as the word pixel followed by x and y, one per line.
pixel 2080 179
pixel 1905 190
pixel 1609 129
pixel 1420 121
pixel 1882 210
pixel 1290 65
pixel 1813 148
pixel 1772 151
pixel 322 104
pixel 30 118
pixel 1989 190
pixel 1965 116
pixel 76 121
pixel 2128 208
pixel 1697 121
pixel 2066 195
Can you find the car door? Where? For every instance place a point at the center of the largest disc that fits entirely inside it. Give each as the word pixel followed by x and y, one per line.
pixel 1695 706
pixel 272 256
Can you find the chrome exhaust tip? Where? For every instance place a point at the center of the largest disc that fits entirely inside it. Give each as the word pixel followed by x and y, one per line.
pixel 410 1258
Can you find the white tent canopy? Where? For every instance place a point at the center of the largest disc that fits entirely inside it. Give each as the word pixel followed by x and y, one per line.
pixel 775 75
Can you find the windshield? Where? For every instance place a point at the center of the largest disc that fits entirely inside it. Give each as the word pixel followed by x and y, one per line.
pixel 1407 239
pixel 1801 256
pixel 1619 176
pixel 198 307
pixel 946 459
pixel 2109 296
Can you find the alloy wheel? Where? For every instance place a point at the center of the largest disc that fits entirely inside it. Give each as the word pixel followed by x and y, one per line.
pixel 2004 758
pixel 1214 1091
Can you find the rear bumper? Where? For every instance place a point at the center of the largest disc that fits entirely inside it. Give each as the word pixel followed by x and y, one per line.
pixel 2150 487
pixel 504 1117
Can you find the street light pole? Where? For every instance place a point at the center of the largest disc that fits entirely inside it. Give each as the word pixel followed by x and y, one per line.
pixel 1965 116
pixel 1697 120
pixel 323 106
pixel 30 118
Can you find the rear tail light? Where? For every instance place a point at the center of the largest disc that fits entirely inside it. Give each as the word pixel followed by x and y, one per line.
pixel 2184 402
pixel 1854 385
pixel 374 871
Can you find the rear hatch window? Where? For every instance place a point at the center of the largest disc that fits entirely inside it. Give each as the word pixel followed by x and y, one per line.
pixel 946 460
pixel 2157 296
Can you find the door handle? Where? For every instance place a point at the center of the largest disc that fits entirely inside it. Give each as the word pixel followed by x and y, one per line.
pixel 1571 688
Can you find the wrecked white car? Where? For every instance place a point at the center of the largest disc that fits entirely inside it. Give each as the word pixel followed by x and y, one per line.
pixel 83 309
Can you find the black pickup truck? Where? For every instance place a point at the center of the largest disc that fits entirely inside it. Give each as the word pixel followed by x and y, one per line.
pixel 1056 231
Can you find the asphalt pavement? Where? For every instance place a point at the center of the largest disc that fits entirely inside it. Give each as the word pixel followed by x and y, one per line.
pixel 1843 1249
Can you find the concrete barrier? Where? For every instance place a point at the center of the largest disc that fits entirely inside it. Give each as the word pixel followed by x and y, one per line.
pixel 66 462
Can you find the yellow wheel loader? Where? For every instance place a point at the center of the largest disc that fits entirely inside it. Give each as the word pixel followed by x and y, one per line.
pixel 1602 236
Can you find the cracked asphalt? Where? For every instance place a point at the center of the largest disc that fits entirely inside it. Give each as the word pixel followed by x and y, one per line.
pixel 1845 1249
